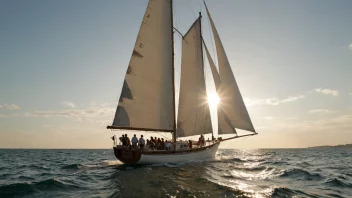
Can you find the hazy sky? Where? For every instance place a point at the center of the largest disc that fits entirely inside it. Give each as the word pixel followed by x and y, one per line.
pixel 62 64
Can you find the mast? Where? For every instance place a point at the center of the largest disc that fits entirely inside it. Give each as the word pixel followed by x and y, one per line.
pixel 173 74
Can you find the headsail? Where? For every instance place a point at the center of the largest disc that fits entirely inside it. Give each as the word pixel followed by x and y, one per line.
pixel 231 100
pixel 214 71
pixel 224 123
pixel 193 110
pixel 146 101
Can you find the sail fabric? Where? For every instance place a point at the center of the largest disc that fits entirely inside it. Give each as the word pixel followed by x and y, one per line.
pixel 146 100
pixel 232 102
pixel 193 111
pixel 224 123
pixel 214 71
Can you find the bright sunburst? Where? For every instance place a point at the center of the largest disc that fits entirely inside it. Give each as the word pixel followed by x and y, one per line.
pixel 213 99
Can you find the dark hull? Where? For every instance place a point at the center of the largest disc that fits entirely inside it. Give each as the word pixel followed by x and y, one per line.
pixel 127 156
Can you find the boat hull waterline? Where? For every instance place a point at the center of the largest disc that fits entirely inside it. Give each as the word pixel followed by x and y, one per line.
pixel 135 156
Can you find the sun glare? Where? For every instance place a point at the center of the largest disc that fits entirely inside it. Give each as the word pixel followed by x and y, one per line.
pixel 213 99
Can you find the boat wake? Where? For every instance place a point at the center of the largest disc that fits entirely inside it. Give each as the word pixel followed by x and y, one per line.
pixel 89 166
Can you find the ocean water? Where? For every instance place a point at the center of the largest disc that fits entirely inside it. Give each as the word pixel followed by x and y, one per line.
pixel 233 173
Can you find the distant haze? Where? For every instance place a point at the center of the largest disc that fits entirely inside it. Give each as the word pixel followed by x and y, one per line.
pixel 62 64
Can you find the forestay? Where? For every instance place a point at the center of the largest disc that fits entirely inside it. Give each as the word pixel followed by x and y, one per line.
pixel 193 110
pixel 231 100
pixel 146 100
pixel 224 123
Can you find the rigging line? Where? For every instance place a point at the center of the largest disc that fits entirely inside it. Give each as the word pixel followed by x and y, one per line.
pixel 178 31
pixel 162 135
pixel 166 136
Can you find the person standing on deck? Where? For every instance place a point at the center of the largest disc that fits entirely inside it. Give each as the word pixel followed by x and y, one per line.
pixel 168 146
pixel 203 140
pixel 162 144
pixel 128 141
pixel 123 140
pixel 141 142
pixel 134 141
pixel 200 141
pixel 190 144
pixel 158 144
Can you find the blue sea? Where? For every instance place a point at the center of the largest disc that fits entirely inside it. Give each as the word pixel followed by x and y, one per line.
pixel 233 173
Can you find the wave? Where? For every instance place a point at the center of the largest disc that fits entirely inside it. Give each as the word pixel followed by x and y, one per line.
pixel 278 163
pixel 21 189
pixel 4 176
pixel 252 169
pixel 348 174
pixel 255 160
pixel 72 166
pixel 54 184
pixel 34 166
pixel 337 183
pixel 334 195
pixel 85 166
pixel 303 164
pixel 283 192
pixel 206 187
pixel 299 173
pixel 18 189
pixel 26 178
pixel 82 166
pixel 228 160
pixel 166 165
pixel 287 192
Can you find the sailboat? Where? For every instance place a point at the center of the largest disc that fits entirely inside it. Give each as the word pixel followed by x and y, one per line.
pixel 147 100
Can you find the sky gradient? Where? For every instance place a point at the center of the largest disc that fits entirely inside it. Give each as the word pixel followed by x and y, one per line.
pixel 62 64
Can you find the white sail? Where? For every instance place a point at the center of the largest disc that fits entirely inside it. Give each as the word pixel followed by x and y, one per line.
pixel 231 100
pixel 224 123
pixel 193 110
pixel 146 100
pixel 214 71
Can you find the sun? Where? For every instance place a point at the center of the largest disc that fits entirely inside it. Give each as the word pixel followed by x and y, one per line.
pixel 213 99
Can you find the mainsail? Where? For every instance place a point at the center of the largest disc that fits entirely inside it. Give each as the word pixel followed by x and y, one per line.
pixel 193 110
pixel 146 101
pixel 224 123
pixel 232 103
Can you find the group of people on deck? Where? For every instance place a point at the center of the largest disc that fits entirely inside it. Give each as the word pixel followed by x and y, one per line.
pixel 154 143
pixel 125 140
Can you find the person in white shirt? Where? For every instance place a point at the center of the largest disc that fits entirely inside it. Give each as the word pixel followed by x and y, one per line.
pixel 168 146
pixel 141 142
pixel 134 141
